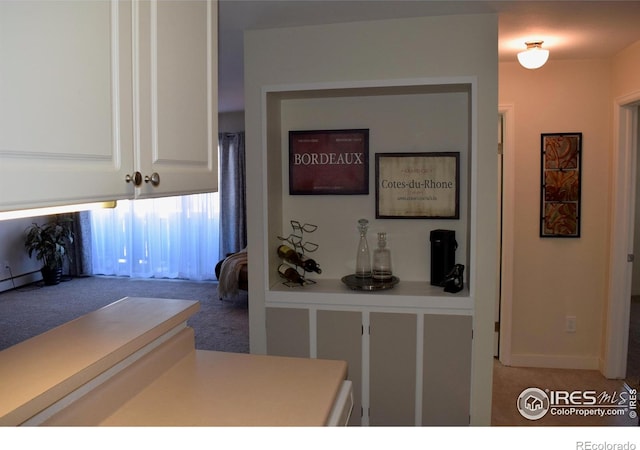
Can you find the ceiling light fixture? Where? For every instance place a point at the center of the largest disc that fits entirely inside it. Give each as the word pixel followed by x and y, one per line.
pixel 534 56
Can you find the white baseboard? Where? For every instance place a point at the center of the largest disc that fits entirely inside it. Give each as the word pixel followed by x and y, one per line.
pixel 555 361
pixel 19 281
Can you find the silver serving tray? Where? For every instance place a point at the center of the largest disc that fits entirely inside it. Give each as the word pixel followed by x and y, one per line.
pixel 369 284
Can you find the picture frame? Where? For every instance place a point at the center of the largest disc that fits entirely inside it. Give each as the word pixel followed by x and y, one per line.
pixel 329 162
pixel 560 193
pixel 418 185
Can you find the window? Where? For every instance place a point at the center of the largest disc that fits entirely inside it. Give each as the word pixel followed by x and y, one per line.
pixel 172 237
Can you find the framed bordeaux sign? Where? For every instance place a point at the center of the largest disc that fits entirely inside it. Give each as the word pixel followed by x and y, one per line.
pixel 418 185
pixel 329 162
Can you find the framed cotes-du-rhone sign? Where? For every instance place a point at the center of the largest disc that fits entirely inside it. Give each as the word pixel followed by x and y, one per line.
pixel 418 185
pixel 329 162
pixel 560 180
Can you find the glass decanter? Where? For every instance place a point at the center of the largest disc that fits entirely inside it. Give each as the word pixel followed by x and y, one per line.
pixel 382 259
pixel 363 259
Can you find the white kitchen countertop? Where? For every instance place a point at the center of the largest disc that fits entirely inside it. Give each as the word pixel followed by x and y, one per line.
pixel 140 354
pixel 40 371
pixel 208 388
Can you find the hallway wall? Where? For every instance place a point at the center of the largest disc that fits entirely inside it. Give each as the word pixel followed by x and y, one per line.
pixel 555 278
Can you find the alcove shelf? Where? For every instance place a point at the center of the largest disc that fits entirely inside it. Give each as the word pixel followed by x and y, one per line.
pixel 405 296
pixel 412 115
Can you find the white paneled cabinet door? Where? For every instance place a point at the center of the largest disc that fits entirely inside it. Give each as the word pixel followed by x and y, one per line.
pixel 94 92
pixel 65 102
pixel 446 370
pixel 339 336
pixel 176 97
pixel 392 369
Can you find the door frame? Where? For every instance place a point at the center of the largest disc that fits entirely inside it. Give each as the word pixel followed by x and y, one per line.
pixel 625 149
pixel 507 111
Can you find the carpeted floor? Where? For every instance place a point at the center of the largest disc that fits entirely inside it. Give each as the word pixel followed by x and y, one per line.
pixel 34 309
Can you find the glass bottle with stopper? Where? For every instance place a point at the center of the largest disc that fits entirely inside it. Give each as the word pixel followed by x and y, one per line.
pixel 382 259
pixel 363 258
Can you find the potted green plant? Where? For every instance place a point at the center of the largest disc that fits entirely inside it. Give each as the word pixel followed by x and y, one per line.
pixel 50 243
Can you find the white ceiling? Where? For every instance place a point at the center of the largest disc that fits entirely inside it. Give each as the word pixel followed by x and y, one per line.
pixel 570 29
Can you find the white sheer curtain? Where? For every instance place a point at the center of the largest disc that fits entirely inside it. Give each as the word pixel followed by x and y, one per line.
pixel 172 237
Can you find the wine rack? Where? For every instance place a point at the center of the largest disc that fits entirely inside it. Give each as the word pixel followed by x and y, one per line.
pixel 296 240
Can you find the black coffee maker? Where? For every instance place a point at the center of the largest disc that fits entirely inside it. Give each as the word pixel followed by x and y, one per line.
pixel 443 255
pixel 444 270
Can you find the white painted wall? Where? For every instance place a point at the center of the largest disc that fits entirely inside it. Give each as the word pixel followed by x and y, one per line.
pixel 626 66
pixel 23 269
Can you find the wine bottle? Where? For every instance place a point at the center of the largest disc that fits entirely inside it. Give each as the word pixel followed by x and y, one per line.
pixel 298 259
pixel 290 274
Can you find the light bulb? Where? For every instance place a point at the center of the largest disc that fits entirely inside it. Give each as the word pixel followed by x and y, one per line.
pixel 534 56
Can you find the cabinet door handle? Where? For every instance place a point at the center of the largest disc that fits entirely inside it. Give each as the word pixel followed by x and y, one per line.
pixel 154 179
pixel 136 178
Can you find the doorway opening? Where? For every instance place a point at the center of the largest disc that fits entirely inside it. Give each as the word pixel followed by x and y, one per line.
pixel 625 158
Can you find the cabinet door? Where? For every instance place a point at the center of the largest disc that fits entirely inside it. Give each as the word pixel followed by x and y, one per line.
pixel 288 332
pixel 65 102
pixel 446 387
pixel 392 376
pixel 339 336
pixel 176 101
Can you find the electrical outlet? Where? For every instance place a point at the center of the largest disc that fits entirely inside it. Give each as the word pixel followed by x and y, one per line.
pixel 570 324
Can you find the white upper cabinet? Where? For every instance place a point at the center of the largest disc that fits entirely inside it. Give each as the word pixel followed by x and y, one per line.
pixel 92 92
pixel 176 96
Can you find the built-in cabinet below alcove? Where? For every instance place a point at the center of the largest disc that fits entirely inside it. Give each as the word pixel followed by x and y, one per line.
pixel 414 115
